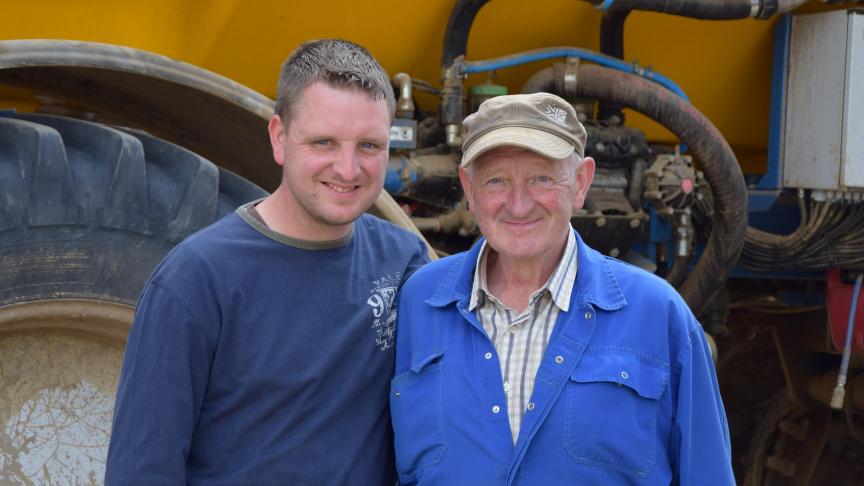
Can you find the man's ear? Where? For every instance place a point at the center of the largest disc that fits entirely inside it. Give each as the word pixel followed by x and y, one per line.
pixel 584 177
pixel 466 187
pixel 278 134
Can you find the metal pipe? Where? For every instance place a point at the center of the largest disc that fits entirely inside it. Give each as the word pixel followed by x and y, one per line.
pixel 405 105
pixel 451 133
pixel 450 105
pixel 459 220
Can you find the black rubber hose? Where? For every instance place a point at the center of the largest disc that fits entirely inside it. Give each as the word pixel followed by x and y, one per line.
pixel 678 271
pixel 463 13
pixel 458 25
pixel 697 9
pixel 706 143
pixel 612 44
pixel 543 80
pixel 612 32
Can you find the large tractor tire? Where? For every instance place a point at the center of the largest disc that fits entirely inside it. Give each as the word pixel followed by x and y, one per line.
pixel 86 212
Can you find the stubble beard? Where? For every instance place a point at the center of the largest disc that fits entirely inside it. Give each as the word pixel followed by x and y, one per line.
pixel 318 212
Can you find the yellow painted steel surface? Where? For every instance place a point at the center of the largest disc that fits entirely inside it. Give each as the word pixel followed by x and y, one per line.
pixel 724 66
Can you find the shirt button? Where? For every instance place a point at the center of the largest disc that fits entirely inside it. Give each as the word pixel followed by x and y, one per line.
pixel 496 409
pixel 506 386
pixel 488 355
pixel 625 375
pixel 531 406
pixel 587 315
pixel 512 329
pixel 559 359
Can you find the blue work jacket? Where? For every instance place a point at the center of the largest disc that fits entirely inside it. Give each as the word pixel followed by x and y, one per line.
pixel 626 392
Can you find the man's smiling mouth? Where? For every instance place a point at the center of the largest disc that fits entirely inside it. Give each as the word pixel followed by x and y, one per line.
pixel 341 189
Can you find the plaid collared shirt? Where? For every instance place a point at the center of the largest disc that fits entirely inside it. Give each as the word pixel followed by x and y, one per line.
pixel 521 339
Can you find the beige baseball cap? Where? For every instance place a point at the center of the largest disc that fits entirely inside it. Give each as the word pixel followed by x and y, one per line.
pixel 540 122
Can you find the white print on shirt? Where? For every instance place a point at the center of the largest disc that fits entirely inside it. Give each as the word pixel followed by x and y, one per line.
pixel 383 294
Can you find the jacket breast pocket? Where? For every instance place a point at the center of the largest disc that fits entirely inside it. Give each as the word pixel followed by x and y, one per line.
pixel 418 419
pixel 611 411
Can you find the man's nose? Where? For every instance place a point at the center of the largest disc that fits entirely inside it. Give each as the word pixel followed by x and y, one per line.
pixel 520 203
pixel 347 164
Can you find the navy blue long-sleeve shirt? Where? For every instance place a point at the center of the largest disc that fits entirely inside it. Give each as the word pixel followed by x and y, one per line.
pixel 257 359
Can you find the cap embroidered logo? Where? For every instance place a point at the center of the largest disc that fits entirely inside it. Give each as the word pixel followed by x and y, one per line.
pixel 556 114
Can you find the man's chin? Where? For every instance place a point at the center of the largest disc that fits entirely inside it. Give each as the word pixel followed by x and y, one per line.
pixel 340 213
pixel 513 250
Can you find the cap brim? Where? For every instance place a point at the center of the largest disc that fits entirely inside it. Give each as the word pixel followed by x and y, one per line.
pixel 538 141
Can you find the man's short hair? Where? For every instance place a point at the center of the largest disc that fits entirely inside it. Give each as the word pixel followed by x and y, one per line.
pixel 337 62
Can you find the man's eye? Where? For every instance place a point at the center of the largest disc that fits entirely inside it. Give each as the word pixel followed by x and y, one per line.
pixel 543 180
pixel 369 145
pixel 495 181
pixel 323 141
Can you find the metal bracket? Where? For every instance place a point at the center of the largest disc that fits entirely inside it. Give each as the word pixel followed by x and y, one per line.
pixel 566 76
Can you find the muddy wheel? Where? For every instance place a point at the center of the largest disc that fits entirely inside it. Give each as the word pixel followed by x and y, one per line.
pixel 86 213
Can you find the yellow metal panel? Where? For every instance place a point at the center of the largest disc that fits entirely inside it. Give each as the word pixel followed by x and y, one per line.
pixel 157 25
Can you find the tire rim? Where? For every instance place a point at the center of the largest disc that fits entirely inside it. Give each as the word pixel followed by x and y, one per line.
pixel 59 375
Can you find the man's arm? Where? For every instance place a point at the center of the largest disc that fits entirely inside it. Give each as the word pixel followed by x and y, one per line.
pixel 701 442
pixel 162 384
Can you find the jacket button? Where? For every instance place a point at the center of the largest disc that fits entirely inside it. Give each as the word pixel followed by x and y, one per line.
pixel 587 315
pixel 531 406
pixel 559 359
pixel 625 375
pixel 488 355
pixel 496 409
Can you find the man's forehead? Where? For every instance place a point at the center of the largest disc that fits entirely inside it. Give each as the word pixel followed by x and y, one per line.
pixel 313 115
pixel 318 89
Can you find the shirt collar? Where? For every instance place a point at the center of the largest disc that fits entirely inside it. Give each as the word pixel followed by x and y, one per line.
pixel 559 284
pixel 595 282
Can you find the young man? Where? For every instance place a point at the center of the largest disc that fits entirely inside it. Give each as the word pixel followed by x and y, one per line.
pixel 261 349
pixel 533 359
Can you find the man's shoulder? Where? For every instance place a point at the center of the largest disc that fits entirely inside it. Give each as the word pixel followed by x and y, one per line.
pixel 216 235
pixel 427 278
pixel 671 325
pixel 376 226
pixel 385 241
pixel 633 278
pixel 201 249
pixel 642 288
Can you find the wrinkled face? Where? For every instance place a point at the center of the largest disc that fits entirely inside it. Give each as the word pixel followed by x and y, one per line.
pixel 334 157
pixel 523 202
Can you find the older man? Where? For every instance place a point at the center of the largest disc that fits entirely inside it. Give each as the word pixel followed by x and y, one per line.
pixel 533 359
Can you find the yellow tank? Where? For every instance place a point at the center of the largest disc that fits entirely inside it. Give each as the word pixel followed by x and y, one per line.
pixel 723 66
